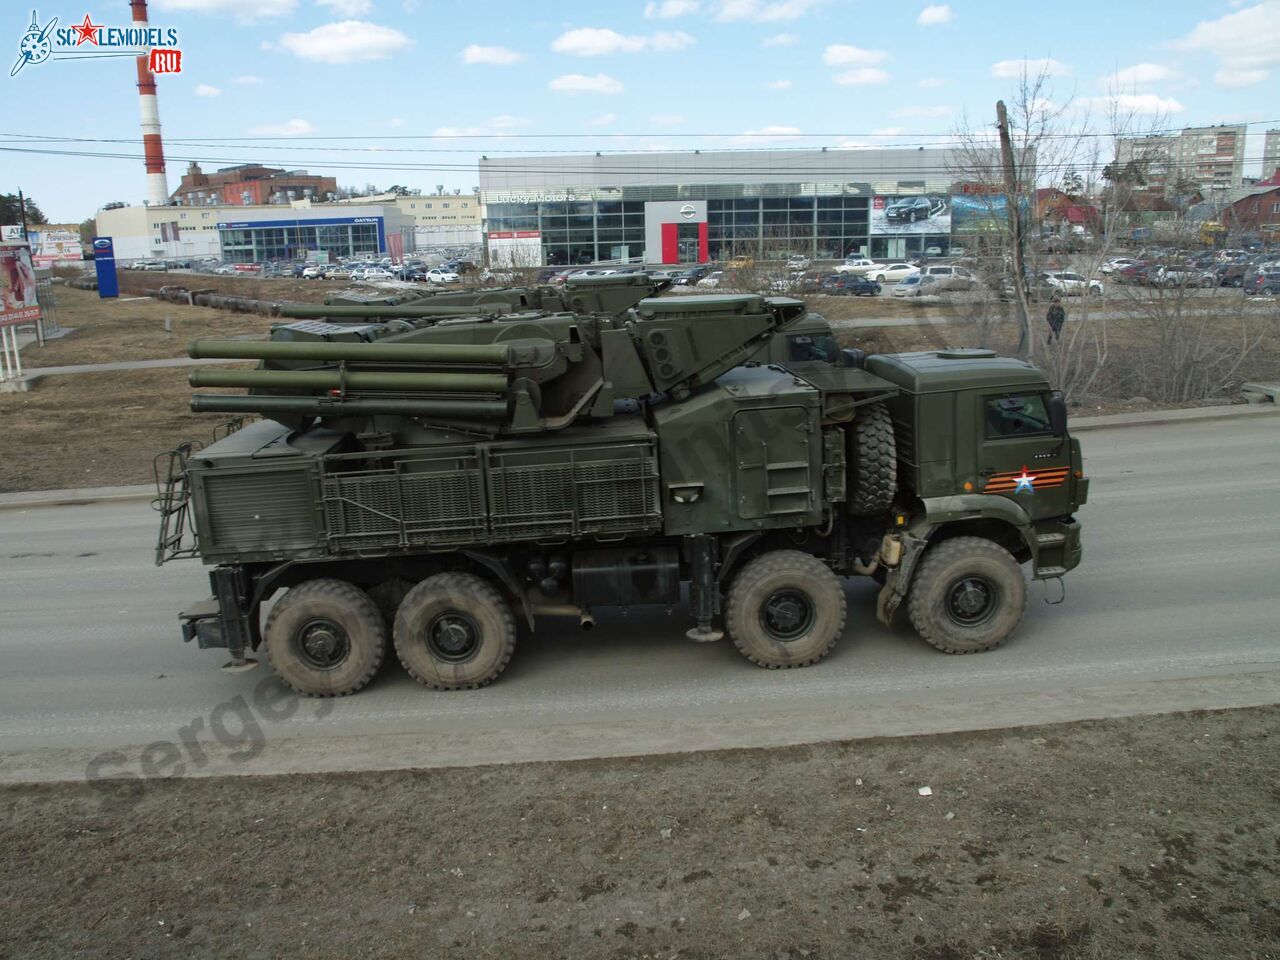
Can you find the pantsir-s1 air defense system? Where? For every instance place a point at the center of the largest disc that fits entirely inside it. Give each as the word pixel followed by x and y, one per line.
pixel 433 475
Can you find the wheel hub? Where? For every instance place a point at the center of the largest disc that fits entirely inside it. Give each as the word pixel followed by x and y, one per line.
pixel 453 637
pixel 971 600
pixel 786 614
pixel 323 644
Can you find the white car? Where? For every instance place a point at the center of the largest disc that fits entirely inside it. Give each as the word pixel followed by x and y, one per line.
pixel 377 273
pixel 892 272
pixel 798 263
pixel 711 279
pixel 313 272
pixel 933 251
pixel 436 275
pixel 1116 263
pixel 857 265
pixel 1071 284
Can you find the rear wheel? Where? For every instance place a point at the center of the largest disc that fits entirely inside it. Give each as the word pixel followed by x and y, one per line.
pixel 968 595
pixel 325 638
pixel 786 609
pixel 454 631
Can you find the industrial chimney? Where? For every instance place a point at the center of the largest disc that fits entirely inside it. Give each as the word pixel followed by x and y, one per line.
pixel 152 147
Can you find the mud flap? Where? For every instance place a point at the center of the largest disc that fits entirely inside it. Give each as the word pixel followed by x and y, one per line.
pixel 898 580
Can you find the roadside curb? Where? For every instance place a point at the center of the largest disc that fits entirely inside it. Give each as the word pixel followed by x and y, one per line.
pixel 1182 415
pixel 65 498
pixel 70 498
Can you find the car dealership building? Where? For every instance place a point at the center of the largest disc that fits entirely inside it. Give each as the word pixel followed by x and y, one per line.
pixel 693 206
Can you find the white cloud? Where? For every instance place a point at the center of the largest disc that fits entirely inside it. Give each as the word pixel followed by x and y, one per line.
pixel 395 122
pixel 862 77
pixel 669 9
pixel 763 11
pixel 495 56
pixel 1141 73
pixel 780 40
pixel 604 120
pixel 919 111
pixel 1138 103
pixel 931 83
pixel 247 80
pixel 580 83
pixel 1014 69
pixel 1232 78
pixel 240 9
pixel 290 128
pixel 935 14
pixel 348 8
pixel 349 41
pixel 492 127
pixel 841 54
pixel 778 85
pixel 204 90
pixel 770 134
pixel 1246 43
pixel 506 121
pixel 598 42
pixel 668 119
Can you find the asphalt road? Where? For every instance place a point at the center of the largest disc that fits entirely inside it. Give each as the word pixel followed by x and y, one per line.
pixel 1174 607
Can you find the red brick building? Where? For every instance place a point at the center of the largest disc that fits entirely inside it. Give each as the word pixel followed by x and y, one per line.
pixel 250 184
pixel 1257 213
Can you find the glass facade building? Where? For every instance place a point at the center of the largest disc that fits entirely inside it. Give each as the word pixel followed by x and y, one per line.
pixel 251 243
pixel 823 204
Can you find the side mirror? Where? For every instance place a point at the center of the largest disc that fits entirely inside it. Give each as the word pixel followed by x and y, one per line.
pixel 1058 413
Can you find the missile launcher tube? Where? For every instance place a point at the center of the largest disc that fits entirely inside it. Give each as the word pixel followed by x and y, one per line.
pixel 351 379
pixel 464 353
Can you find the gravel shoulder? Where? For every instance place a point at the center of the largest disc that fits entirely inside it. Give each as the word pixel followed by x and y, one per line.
pixel 1147 837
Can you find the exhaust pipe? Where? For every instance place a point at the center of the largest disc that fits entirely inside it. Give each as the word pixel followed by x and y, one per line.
pixel 586 620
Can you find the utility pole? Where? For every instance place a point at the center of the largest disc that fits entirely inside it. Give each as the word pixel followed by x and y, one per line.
pixel 22 212
pixel 1015 231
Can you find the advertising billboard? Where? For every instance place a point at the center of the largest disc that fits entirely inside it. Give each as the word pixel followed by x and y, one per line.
pixel 104 264
pixel 18 303
pixel 515 248
pixel 55 246
pixel 914 215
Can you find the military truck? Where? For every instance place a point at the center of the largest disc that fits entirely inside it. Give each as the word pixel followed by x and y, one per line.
pixel 429 482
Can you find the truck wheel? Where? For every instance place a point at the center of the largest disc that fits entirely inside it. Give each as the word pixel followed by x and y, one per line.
pixel 874 462
pixel 325 638
pixel 968 595
pixel 786 609
pixel 454 632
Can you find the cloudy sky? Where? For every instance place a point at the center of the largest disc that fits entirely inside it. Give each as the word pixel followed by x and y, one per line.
pixel 419 88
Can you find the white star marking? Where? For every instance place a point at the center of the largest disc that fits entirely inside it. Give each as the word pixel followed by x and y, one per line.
pixel 1024 482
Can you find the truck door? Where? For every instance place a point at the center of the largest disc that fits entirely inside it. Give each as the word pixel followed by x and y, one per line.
pixel 1022 458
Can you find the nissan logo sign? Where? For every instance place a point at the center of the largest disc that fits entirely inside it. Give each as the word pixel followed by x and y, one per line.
pixel 687 211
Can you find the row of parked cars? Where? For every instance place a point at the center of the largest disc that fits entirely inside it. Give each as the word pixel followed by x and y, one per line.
pixel 1255 274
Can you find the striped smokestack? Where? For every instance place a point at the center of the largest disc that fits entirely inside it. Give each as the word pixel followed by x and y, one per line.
pixel 152 147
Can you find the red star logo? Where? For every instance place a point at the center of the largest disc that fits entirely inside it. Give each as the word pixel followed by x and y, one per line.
pixel 88 31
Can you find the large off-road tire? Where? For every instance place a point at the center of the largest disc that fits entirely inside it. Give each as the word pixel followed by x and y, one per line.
pixel 968 595
pixel 873 461
pixel 786 609
pixel 325 638
pixel 454 631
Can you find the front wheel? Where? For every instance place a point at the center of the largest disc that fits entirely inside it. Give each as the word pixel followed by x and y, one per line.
pixel 968 595
pixel 786 609
pixel 325 638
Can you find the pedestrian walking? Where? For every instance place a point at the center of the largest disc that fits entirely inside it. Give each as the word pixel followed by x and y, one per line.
pixel 1056 317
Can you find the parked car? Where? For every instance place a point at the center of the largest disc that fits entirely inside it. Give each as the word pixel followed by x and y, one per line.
pixel 711 280
pixel 912 209
pixel 857 265
pixel 377 273
pixel 439 275
pixel 933 251
pixel 691 276
pixel 1116 263
pixel 1184 276
pixel 312 271
pixel 909 287
pixel 798 263
pixel 1265 283
pixel 959 251
pixel 945 279
pixel 892 272
pixel 336 272
pixel 851 285
pixel 1070 284
pixel 226 270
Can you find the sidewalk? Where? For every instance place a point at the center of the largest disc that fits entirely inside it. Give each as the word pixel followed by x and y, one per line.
pixel 146 491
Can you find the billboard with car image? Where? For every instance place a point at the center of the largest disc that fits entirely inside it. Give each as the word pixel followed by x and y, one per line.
pixel 921 213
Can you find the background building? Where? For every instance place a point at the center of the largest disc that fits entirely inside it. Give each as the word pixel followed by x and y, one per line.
pixel 1271 154
pixel 257 234
pixel 250 184
pixel 1210 158
pixel 690 206
pixel 440 220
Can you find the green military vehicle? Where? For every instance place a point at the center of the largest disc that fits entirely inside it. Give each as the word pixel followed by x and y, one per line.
pixel 432 481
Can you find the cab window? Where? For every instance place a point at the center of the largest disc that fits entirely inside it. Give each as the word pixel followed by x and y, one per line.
pixel 1017 416
pixel 817 346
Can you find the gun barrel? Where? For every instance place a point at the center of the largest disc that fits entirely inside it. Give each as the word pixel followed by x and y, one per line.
pixel 351 379
pixel 481 353
pixel 325 407
pixel 378 311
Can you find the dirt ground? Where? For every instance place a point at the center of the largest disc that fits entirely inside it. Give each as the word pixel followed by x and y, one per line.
pixel 1148 837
